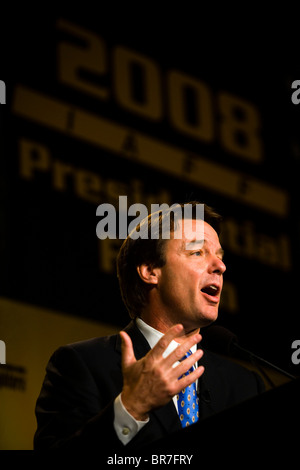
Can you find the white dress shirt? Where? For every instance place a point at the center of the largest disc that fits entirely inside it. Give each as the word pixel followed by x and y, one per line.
pixel 126 426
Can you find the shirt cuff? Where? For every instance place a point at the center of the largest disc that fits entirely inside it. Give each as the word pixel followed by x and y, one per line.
pixel 126 426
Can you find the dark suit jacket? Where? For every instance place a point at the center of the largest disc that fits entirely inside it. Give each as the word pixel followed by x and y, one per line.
pixel 75 407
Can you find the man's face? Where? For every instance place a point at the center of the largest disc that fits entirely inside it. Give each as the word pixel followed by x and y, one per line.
pixel 190 283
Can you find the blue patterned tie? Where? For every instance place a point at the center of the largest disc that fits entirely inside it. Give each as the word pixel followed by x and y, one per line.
pixel 188 402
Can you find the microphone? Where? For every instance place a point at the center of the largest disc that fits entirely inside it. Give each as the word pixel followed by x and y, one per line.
pixel 222 341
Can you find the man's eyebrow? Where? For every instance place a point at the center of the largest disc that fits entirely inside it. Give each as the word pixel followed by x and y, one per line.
pixel 190 245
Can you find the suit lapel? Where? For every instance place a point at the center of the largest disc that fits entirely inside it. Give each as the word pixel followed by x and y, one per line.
pixel 166 415
pixel 207 386
pixel 140 344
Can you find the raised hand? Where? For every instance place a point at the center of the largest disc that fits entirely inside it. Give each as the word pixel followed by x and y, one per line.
pixel 152 381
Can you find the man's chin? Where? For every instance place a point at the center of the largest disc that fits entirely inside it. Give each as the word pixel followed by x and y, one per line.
pixel 209 317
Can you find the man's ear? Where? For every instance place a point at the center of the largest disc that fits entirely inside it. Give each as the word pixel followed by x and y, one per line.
pixel 148 274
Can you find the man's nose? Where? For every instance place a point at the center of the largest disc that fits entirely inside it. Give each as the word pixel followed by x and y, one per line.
pixel 217 265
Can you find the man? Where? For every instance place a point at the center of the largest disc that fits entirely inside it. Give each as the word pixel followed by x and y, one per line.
pixel 123 390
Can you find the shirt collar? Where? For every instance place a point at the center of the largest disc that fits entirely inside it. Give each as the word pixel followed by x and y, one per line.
pixel 153 336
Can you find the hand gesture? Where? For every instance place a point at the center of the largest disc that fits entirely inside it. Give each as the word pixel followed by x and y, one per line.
pixel 152 381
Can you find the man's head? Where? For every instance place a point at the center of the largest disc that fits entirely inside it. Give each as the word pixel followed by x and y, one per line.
pixel 172 277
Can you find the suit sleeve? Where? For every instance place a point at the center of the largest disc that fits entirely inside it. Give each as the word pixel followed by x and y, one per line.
pixel 71 412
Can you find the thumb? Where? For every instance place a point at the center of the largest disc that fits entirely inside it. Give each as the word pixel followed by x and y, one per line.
pixel 128 356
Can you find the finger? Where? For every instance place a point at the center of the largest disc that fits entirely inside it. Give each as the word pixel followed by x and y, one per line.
pixel 189 362
pixel 189 379
pixel 128 356
pixel 164 342
pixel 182 349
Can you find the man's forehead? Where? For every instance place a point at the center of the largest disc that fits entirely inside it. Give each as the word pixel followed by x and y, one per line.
pixel 192 230
pixel 190 227
pixel 192 234
pixel 189 231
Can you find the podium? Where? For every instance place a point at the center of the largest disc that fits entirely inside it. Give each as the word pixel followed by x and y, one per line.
pixel 263 429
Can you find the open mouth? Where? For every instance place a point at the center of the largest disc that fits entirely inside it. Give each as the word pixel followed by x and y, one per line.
pixel 211 291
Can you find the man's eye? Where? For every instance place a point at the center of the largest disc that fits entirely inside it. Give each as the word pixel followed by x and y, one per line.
pixel 197 253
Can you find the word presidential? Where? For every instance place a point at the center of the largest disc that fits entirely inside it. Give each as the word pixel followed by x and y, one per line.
pixel 161 216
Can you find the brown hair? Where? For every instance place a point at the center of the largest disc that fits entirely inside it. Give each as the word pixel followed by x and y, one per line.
pixel 150 251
